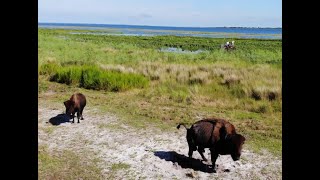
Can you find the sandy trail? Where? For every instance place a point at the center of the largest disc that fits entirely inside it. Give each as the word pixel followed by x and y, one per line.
pixel 151 154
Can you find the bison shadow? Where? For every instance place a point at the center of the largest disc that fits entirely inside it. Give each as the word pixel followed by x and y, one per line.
pixel 184 161
pixel 60 118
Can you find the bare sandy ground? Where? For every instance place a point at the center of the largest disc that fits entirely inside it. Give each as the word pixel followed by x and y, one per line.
pixel 151 154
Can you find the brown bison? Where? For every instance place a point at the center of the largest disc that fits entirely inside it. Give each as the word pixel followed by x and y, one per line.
pixel 216 134
pixel 75 104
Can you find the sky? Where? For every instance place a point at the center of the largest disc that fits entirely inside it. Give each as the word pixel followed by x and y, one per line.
pixel 179 13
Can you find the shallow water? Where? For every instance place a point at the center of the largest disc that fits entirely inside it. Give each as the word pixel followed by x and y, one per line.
pixel 132 30
pixel 249 36
pixel 179 50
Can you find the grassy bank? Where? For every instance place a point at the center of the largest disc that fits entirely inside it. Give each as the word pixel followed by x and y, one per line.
pixel 162 89
pixel 66 165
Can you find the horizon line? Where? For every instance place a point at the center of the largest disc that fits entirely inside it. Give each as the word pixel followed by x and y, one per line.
pixel 163 26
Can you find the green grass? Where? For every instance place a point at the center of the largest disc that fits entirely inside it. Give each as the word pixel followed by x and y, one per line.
pixel 49 130
pixel 160 89
pixel 120 169
pixel 66 165
pixel 119 166
pixel 110 126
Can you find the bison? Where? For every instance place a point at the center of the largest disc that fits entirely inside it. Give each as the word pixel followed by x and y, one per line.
pixel 75 104
pixel 216 134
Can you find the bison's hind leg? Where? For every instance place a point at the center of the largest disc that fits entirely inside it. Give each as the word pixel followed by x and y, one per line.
pixel 81 114
pixel 191 149
pixel 201 151
pixel 190 153
pixel 214 157
pixel 78 117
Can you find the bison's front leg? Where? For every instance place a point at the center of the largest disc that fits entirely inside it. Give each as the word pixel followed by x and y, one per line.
pixel 214 157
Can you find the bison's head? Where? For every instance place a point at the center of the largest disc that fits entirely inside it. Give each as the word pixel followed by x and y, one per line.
pixel 237 141
pixel 69 107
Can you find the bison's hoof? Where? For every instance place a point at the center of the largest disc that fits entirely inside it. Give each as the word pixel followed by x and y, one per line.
pixel 82 118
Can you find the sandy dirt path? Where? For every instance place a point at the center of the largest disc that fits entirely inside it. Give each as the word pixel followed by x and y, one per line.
pixel 151 153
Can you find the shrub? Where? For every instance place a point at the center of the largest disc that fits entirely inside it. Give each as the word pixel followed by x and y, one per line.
pixel 93 77
pixel 48 69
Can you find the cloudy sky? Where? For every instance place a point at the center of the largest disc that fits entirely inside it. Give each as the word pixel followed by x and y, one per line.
pixel 185 13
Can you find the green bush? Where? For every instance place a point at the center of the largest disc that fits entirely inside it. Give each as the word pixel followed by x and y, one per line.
pixel 93 77
pixel 48 69
pixel 70 75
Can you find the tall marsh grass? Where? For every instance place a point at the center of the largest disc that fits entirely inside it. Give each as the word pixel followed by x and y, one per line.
pixel 93 77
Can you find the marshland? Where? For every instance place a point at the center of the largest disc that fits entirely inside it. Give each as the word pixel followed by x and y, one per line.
pixel 134 79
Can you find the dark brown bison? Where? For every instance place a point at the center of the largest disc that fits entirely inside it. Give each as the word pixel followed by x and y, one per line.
pixel 75 104
pixel 216 134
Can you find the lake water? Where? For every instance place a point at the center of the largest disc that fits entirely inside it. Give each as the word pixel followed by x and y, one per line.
pixel 133 30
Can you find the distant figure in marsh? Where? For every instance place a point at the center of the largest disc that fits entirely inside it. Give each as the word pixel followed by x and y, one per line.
pixel 228 46
pixel 75 104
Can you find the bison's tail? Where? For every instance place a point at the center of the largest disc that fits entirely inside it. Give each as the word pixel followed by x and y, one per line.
pixel 182 125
